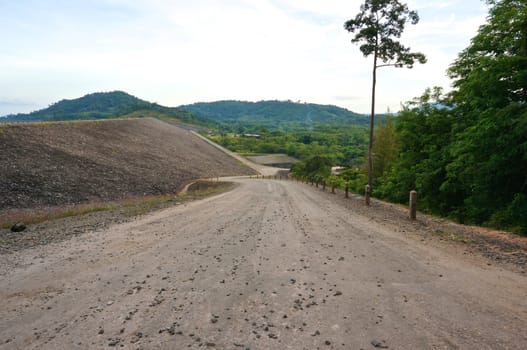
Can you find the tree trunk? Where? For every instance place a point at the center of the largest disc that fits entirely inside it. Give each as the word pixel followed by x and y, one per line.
pixel 372 122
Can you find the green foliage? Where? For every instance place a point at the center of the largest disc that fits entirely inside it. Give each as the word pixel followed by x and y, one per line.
pixel 466 153
pixel 251 117
pixel 384 148
pixel 344 145
pixel 491 72
pixel 376 26
pixel 355 177
pixel 92 106
pixel 489 165
pixel 513 217
pixel 423 131
pixel 104 105
pixel 316 168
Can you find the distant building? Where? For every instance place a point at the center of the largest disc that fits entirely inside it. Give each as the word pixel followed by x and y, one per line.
pixel 252 136
pixel 335 170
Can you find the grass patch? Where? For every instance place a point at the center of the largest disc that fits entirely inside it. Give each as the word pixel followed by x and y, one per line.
pixel 55 122
pixel 453 236
pixel 131 206
pixel 202 189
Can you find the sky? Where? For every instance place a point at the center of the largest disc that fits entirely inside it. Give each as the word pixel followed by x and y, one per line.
pixel 177 52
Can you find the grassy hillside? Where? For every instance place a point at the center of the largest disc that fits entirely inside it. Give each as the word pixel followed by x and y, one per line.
pixel 47 164
pixel 227 115
pixel 103 105
pixel 92 106
pixel 281 115
pixel 300 130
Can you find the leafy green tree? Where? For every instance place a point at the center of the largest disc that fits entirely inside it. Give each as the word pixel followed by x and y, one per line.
pixel 424 135
pixel 490 151
pixel 492 71
pixel 355 177
pixel 384 148
pixel 375 27
pixel 466 153
pixel 298 170
pixel 315 168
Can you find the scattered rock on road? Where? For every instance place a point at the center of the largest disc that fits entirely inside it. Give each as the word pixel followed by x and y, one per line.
pixel 379 345
pixel 18 227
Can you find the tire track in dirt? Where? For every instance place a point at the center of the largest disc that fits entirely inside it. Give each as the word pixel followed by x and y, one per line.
pixel 269 265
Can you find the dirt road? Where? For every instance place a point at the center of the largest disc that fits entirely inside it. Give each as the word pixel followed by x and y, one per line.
pixel 269 265
pixel 262 169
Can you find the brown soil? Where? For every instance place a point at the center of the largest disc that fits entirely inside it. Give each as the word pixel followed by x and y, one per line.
pixel 53 164
pixel 59 230
pixel 270 265
pixel 499 247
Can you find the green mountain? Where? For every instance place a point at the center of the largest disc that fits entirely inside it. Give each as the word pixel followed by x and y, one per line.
pixel 275 114
pixel 93 106
pixel 102 105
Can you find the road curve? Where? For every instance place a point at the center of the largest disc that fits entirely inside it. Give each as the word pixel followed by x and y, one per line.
pixel 261 169
pixel 269 265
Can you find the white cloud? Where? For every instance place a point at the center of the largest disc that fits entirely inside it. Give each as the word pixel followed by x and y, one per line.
pixel 176 52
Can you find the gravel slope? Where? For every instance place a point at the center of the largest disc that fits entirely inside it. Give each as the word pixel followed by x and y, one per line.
pixel 68 163
pixel 269 265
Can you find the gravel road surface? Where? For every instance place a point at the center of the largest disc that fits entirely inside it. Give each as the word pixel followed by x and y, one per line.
pixel 269 265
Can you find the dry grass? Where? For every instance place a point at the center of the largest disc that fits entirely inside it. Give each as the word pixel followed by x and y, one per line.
pixel 454 236
pixel 130 206
pixel 63 122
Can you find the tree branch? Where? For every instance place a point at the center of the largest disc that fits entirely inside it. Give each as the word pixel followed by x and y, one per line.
pixel 386 65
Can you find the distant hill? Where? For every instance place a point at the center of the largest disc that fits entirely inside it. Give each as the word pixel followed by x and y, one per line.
pixel 284 115
pixel 104 105
pixel 93 106
pixel 274 113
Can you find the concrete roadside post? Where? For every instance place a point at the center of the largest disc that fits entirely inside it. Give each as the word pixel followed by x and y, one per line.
pixel 367 194
pixel 413 205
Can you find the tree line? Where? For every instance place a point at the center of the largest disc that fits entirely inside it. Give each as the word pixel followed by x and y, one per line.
pixel 341 144
pixel 464 151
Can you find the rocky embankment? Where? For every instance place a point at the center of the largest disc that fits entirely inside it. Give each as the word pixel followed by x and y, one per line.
pixel 52 164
